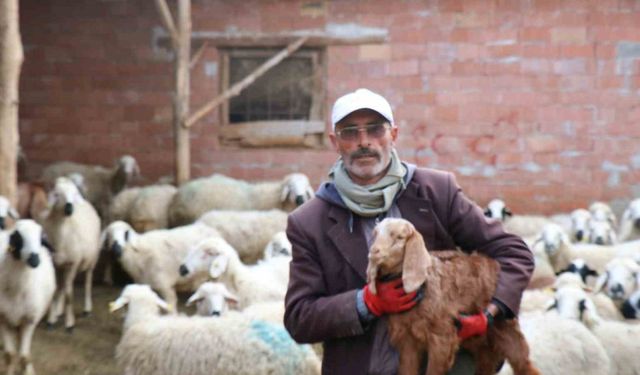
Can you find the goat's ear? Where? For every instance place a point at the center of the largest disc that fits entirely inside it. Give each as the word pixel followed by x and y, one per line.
pixel 372 275
pixel 601 282
pixel 415 263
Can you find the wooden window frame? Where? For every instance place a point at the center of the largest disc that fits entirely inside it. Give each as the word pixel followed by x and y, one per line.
pixel 278 133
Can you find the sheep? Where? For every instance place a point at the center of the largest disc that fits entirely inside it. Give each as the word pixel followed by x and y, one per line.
pixel 582 269
pixel 120 206
pixel 278 246
pixel 630 222
pixel 601 211
pixel 150 208
pixel 6 211
pixel 497 209
pixel 154 257
pixel 221 192
pixel 398 248
pixel 604 305
pixel 231 344
pixel 631 306
pixel 580 219
pixel 73 227
pixel 212 299
pixel 248 232
pixel 543 273
pixel 265 281
pixel 618 338
pixel 102 183
pixel 28 282
pixel 561 347
pixel 520 225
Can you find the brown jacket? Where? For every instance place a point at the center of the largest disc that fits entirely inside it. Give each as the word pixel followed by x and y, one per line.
pixel 329 263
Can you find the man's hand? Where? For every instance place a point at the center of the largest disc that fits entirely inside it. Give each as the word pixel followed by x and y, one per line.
pixel 473 325
pixel 390 299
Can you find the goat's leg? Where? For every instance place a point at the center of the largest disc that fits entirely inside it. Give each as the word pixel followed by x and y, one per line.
pixel 442 354
pixel 516 350
pixel 410 356
pixel 10 346
pixel 88 284
pixel 69 275
pixel 26 335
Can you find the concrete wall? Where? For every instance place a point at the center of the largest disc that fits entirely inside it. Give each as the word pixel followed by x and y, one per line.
pixel 533 101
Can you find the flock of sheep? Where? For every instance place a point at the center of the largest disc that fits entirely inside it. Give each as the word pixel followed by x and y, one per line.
pixel 219 238
pixel 223 241
pixel 579 312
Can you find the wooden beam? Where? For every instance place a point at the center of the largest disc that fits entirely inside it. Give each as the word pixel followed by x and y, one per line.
pixel 198 55
pixel 167 20
pixel 11 58
pixel 182 92
pixel 238 87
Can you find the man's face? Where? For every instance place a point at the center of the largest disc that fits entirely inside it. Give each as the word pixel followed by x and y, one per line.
pixel 366 156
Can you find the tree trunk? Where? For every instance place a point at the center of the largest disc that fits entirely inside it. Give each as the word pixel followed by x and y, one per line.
pixel 181 99
pixel 11 57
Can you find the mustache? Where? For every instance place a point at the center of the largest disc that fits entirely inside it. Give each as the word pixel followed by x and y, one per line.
pixel 362 152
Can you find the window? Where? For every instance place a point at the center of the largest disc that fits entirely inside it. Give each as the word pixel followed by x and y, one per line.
pixel 283 107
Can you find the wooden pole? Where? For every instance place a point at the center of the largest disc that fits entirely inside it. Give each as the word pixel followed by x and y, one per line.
pixel 167 20
pixel 181 99
pixel 11 57
pixel 238 87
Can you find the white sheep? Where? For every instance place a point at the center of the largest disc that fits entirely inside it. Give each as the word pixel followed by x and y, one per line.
pixel 219 192
pixel 604 305
pixel 6 211
pixel 582 269
pixel 102 183
pixel 120 206
pixel 73 227
pixel 630 222
pixel 232 344
pixel 602 233
pixel 580 219
pixel 619 339
pixel 212 299
pixel 154 257
pixel 543 273
pixel 520 225
pixel 631 306
pixel 560 346
pixel 248 232
pixel 278 246
pixel 150 208
pixel 265 281
pixel 28 282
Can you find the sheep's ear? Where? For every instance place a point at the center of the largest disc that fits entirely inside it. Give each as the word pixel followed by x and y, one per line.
pixel 552 304
pixel 487 212
pixel 310 193
pixel 163 305
pixel 229 297
pixel 506 212
pixel 601 282
pixel 13 213
pixel 195 297
pixel 286 189
pixel 118 304
pixel 415 263
pixel 218 266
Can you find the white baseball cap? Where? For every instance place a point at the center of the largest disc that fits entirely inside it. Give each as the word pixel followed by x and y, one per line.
pixel 360 99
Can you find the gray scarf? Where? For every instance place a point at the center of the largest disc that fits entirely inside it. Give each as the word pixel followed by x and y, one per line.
pixel 370 200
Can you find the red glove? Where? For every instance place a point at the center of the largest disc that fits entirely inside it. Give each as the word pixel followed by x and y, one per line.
pixel 390 299
pixel 472 325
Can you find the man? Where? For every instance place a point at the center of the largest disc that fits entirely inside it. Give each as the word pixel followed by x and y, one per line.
pixel 327 300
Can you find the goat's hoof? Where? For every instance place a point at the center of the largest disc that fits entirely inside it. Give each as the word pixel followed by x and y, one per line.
pixel 86 314
pixel 70 329
pixel 50 326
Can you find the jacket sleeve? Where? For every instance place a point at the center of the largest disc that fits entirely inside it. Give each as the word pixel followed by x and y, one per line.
pixel 311 314
pixel 471 230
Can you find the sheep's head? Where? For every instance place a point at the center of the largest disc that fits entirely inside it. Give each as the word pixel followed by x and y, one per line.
pixel 142 302
pixel 210 254
pixel 398 248
pixel 569 278
pixel 6 211
pixel 278 246
pixel 65 195
pixel 573 303
pixel 497 209
pixel 580 219
pixel 601 233
pixel 212 299
pixel 579 268
pixel 126 169
pixel 26 242
pixel 296 189
pixel 602 212
pixel 116 236
pixel 632 213
pixel 553 238
pixel 619 279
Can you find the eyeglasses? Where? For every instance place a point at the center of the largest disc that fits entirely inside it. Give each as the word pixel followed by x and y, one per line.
pixel 351 133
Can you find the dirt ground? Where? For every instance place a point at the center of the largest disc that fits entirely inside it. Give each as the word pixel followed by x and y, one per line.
pixel 90 349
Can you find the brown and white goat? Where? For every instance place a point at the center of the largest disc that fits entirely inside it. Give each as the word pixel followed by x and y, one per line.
pixel 453 284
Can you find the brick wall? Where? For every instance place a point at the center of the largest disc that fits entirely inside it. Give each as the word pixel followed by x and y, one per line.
pixel 533 101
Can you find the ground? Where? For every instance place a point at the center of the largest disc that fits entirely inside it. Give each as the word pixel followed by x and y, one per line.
pixel 90 349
